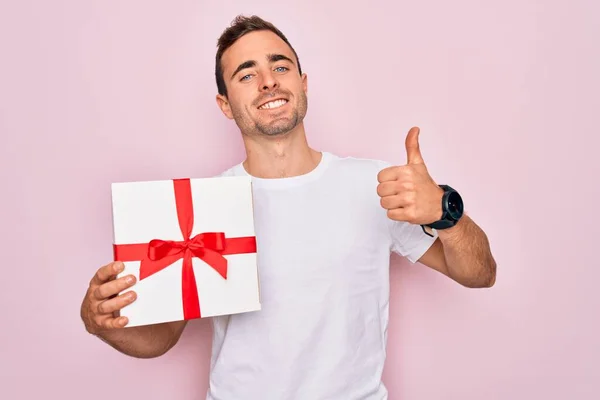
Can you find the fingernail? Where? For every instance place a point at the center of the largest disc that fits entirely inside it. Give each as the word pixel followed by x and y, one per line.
pixel 129 279
pixel 118 267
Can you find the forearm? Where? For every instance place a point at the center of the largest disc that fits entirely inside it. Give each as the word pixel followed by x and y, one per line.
pixel 146 341
pixel 467 252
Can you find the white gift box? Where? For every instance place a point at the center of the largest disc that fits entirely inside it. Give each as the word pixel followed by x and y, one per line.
pixel 203 266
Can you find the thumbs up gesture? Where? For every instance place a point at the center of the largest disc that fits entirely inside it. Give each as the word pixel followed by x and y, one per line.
pixel 408 192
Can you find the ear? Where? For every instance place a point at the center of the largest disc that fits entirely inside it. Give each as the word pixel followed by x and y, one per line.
pixel 223 104
pixel 305 82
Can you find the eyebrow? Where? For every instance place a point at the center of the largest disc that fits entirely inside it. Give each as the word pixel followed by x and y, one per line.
pixel 251 63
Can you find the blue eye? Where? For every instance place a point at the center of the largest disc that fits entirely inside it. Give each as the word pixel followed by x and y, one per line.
pixel 281 68
pixel 244 77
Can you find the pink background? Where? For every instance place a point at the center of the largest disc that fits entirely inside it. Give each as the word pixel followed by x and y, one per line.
pixel 505 93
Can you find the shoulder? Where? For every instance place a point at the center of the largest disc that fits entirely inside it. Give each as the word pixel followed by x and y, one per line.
pixel 357 162
pixel 357 167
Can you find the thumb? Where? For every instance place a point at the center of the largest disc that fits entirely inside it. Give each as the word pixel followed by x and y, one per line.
pixel 413 152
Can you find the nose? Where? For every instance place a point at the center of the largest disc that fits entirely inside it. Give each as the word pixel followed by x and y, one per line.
pixel 268 82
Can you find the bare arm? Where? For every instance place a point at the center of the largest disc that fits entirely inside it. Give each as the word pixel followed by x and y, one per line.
pixel 463 254
pixel 410 194
pixel 100 314
pixel 144 341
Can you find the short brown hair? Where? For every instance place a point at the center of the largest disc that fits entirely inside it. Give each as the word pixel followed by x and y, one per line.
pixel 240 26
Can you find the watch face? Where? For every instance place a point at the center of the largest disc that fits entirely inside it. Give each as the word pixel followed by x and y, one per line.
pixel 455 205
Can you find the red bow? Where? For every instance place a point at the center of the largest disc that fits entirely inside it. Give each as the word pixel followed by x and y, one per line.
pixel 209 247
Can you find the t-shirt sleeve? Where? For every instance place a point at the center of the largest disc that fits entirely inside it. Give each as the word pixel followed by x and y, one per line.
pixel 409 240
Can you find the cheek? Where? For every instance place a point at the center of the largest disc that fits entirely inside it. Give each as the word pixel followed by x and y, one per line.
pixel 242 107
pixel 244 101
pixel 295 83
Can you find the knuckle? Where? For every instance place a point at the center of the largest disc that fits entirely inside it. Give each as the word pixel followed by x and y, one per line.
pixel 383 175
pixel 385 203
pixel 387 174
pixel 97 279
pixel 98 293
pixel 97 320
pixel 107 324
pixel 387 188
pixel 100 275
pixel 408 186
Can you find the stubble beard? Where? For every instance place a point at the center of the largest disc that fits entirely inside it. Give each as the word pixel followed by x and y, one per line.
pixel 278 127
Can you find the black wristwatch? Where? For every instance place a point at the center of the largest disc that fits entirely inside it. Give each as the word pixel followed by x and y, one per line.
pixel 452 210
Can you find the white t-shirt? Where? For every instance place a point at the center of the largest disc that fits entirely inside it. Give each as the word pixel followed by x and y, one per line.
pixel 324 244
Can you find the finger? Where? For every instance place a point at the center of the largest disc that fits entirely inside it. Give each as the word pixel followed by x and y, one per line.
pixel 116 303
pixel 387 174
pixel 402 214
pixel 388 188
pixel 114 287
pixel 391 188
pixel 401 200
pixel 115 323
pixel 105 273
pixel 413 151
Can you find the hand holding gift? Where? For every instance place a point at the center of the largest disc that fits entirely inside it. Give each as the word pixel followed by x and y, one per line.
pixel 190 245
pixel 105 297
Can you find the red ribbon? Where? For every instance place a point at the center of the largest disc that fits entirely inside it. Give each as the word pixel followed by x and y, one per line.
pixel 209 247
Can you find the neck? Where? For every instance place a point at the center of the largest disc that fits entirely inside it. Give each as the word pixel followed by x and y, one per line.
pixel 283 156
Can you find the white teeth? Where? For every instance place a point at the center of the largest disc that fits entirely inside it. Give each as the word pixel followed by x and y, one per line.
pixel 273 104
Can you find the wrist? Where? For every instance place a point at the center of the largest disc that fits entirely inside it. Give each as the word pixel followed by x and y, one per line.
pixel 451 209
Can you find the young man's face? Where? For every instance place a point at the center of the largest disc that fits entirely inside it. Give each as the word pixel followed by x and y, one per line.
pixel 265 93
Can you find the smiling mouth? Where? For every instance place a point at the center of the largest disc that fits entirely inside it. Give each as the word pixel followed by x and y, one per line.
pixel 273 104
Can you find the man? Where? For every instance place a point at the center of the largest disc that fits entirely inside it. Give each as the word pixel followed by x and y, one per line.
pixel 325 228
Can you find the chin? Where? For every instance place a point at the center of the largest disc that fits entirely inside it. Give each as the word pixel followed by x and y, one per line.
pixel 276 131
pixel 277 127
